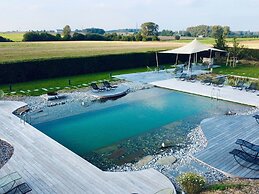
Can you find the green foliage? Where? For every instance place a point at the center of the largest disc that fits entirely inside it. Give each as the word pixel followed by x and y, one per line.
pixel 224 186
pixel 191 183
pixel 218 33
pixel 39 36
pixel 236 50
pixel 94 31
pixel 177 37
pixel 166 33
pixel 149 29
pixel 2 39
pixel 1 94
pixel 196 31
pixel 207 31
pixel 67 32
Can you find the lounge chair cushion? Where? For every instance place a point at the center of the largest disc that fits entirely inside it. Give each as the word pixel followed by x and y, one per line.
pixel 22 188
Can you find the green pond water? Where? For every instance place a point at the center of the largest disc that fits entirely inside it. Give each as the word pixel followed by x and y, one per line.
pixel 133 126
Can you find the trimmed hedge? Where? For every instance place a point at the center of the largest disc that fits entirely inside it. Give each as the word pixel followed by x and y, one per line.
pixel 45 69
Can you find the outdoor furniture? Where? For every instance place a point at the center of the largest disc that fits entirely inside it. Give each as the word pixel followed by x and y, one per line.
pixel 251 87
pixel 207 81
pixel 248 147
pixel 96 88
pixel 183 76
pixel 107 84
pixel 239 85
pixel 256 118
pixel 22 188
pixel 247 160
pixel 9 180
pixel 192 78
pixel 219 82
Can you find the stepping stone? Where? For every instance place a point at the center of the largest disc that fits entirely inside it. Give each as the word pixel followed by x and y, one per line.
pixel 36 90
pixel 144 161
pixel 44 89
pixel 166 160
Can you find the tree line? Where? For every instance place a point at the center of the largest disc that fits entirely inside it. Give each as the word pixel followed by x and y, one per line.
pixel 148 32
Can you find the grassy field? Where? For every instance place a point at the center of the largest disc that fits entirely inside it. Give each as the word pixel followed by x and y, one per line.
pixel 34 88
pixel 14 36
pixel 26 51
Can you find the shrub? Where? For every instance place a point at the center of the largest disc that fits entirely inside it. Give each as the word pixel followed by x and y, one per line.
pixel 191 183
pixel 1 94
pixel 177 37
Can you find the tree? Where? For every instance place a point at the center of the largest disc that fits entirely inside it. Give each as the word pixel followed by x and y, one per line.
pixel 67 32
pixel 217 32
pixel 236 50
pixel 149 29
pixel 78 36
pixel 177 37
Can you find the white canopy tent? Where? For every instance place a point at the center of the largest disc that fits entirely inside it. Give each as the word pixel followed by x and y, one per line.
pixel 193 47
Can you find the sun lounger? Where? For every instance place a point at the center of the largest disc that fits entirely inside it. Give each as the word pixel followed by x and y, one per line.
pixel 192 78
pixel 239 85
pixel 107 85
pixel 247 160
pixel 256 118
pixel 9 180
pixel 183 76
pixel 251 87
pixel 248 147
pixel 22 188
pixel 96 88
pixel 207 81
pixel 219 82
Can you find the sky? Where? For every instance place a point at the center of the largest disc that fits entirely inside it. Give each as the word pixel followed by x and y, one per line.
pixel 23 15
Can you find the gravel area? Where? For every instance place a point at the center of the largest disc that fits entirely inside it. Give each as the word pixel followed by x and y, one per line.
pixel 6 152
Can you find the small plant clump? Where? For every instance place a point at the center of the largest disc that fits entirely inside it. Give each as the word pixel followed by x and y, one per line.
pixel 191 183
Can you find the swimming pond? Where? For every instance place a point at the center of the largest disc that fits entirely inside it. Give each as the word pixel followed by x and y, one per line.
pixel 115 132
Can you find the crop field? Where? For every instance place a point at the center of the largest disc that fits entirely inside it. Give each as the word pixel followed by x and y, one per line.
pixel 26 51
pixel 14 36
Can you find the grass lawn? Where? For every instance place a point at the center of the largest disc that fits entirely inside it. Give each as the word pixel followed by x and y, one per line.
pixel 240 70
pixel 29 88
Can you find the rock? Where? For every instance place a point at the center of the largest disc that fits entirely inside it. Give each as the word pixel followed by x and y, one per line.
pixel 168 160
pixel 144 161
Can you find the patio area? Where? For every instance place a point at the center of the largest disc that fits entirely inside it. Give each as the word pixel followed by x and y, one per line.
pixel 221 133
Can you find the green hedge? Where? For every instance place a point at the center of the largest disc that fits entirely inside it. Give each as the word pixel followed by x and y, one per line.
pixel 44 69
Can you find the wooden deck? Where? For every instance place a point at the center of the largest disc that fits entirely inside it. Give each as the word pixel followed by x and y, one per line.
pixel 221 133
pixel 224 93
pixel 48 167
